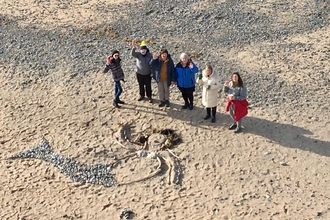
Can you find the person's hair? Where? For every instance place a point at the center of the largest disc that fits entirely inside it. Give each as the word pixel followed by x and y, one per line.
pixel 239 81
pixel 163 50
pixel 209 67
pixel 184 55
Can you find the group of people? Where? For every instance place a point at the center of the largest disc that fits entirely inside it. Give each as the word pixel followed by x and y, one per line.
pixel 162 69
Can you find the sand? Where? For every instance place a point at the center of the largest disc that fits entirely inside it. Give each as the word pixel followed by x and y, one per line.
pixel 276 169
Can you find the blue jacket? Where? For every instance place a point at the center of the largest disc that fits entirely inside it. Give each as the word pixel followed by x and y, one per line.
pixel 184 76
pixel 156 66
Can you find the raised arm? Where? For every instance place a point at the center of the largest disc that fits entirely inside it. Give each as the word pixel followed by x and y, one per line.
pixel 108 64
pixel 154 59
pixel 194 69
pixel 133 51
pixel 226 86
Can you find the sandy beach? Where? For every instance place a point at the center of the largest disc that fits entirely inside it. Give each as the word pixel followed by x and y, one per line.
pixel 277 168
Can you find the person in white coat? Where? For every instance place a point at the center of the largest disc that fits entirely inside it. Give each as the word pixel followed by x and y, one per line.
pixel 211 84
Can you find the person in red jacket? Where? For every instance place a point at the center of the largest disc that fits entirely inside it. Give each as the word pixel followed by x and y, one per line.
pixel 237 104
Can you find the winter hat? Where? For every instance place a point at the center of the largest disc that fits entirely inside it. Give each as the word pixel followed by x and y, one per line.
pixel 184 55
pixel 114 52
pixel 143 45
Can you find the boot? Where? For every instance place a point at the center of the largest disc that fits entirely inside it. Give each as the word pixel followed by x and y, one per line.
pixel 161 104
pixel 214 111
pixel 141 98
pixel 208 113
pixel 232 126
pixel 120 101
pixel 185 106
pixel 115 104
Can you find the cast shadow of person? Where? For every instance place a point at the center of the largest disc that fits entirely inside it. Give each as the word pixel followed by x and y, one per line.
pixel 193 117
pixel 286 135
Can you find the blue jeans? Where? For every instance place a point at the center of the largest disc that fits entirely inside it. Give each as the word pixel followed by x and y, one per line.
pixel 118 90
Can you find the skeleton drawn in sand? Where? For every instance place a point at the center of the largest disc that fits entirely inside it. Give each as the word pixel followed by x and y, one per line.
pixel 149 143
pixel 153 143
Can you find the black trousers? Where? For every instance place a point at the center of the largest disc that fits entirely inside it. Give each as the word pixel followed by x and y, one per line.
pixel 188 95
pixel 214 111
pixel 144 85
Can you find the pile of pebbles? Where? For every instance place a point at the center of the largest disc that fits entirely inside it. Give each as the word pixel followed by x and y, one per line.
pixel 96 174
pixel 208 27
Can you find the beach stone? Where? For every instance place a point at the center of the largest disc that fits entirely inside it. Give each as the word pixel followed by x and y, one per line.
pixel 216 29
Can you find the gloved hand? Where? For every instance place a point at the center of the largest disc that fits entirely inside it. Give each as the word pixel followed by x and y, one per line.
pixel 208 87
pixel 200 76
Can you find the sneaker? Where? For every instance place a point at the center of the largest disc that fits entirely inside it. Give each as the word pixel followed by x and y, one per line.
pixel 232 126
pixel 207 117
pixel 238 130
pixel 150 100
pixel 191 106
pixel 120 102
pixel 167 103
pixel 141 98
pixel 161 104
pixel 185 106
pixel 213 119
pixel 116 104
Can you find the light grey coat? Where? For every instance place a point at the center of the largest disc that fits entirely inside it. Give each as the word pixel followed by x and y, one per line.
pixel 211 85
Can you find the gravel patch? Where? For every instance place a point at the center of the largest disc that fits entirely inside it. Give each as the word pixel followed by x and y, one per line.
pixel 207 29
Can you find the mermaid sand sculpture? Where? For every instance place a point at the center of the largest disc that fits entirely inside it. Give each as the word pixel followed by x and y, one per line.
pixel 100 174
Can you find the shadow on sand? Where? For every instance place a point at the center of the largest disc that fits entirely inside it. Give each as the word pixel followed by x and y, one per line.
pixel 286 135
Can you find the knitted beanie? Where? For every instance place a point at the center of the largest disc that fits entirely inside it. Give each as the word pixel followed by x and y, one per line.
pixel 114 52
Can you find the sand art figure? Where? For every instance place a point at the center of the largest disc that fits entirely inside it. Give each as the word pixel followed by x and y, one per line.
pixel 98 174
pixel 150 142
